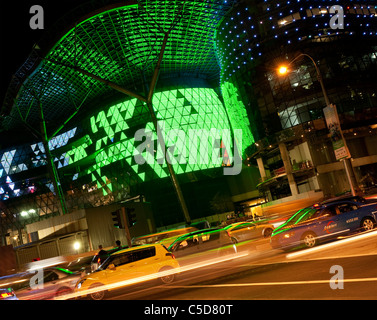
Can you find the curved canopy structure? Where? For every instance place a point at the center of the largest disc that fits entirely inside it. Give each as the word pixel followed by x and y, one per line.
pixel 119 43
pixel 106 65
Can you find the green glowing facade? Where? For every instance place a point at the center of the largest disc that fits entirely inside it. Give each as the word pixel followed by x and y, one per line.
pixel 120 43
pixel 114 129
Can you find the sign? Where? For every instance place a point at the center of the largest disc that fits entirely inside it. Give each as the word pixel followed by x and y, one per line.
pixel 336 135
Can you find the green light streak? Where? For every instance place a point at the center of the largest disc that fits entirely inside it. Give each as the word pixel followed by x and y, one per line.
pixel 237 113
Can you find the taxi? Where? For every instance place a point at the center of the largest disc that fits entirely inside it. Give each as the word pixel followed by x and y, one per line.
pixel 323 222
pixel 152 260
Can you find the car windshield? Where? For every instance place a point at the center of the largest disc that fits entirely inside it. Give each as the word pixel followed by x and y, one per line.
pixel 106 263
pixel 300 216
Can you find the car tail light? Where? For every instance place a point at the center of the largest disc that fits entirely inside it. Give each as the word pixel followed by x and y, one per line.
pixel 6 295
pixel 169 254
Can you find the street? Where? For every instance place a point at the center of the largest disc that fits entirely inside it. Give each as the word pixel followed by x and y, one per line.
pixel 270 274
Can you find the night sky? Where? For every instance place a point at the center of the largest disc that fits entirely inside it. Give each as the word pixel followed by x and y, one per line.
pixel 17 38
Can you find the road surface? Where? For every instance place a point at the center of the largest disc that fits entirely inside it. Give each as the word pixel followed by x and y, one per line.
pixel 343 269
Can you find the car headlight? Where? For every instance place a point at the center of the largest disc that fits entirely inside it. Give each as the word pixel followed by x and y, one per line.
pixel 288 235
pixel 80 283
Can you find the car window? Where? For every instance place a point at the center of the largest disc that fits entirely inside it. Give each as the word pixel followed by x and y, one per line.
pixel 210 236
pixel 328 212
pixel 347 207
pixel 187 243
pixel 243 226
pixel 143 254
pixel 118 260
pixel 50 276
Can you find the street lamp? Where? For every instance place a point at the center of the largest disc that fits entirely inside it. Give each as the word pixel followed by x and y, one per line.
pixel 347 163
pixel 283 70
pixel 76 246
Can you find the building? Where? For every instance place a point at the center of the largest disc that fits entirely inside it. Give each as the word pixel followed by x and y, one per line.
pixel 292 147
pixel 93 80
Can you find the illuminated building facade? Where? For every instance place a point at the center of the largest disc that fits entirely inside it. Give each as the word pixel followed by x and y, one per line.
pixel 292 148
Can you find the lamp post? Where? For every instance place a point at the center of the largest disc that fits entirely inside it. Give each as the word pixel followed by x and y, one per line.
pixel 347 161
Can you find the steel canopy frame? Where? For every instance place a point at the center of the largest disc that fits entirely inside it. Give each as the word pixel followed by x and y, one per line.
pixel 119 45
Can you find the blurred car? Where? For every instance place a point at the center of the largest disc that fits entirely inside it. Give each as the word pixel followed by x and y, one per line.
pixel 323 222
pixel 8 294
pixel 15 281
pixel 209 243
pixel 358 199
pixel 129 264
pixel 55 282
pixel 242 231
pixel 164 237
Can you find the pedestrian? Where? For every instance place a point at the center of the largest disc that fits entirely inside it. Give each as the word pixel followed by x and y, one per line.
pixel 101 252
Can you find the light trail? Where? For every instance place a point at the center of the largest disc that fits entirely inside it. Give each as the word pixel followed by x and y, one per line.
pixel 280 283
pixel 331 245
pixel 121 284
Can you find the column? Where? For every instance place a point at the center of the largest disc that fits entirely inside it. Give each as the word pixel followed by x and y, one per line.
pixel 288 168
pixel 262 171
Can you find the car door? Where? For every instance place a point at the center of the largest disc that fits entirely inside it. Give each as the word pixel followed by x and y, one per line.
pixel 144 263
pixel 252 231
pixel 349 216
pixel 245 231
pixel 329 223
pixel 239 232
pixel 40 291
pixel 118 268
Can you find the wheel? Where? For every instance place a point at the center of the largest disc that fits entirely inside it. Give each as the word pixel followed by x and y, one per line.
pixel 367 224
pixel 234 240
pixel 309 240
pixel 98 295
pixel 267 233
pixel 167 278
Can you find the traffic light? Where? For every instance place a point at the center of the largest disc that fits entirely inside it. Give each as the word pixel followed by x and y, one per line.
pixel 131 216
pixel 117 218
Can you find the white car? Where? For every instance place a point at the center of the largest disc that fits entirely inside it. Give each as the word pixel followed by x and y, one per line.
pixel 55 282
pixel 242 231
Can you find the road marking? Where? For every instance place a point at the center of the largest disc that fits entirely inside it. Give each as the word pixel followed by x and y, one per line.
pixel 282 283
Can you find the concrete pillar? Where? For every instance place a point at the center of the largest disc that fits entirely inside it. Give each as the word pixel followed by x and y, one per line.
pixel 262 171
pixel 355 189
pixel 288 168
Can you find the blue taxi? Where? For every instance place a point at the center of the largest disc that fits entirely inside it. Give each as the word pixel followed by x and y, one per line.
pixel 323 222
